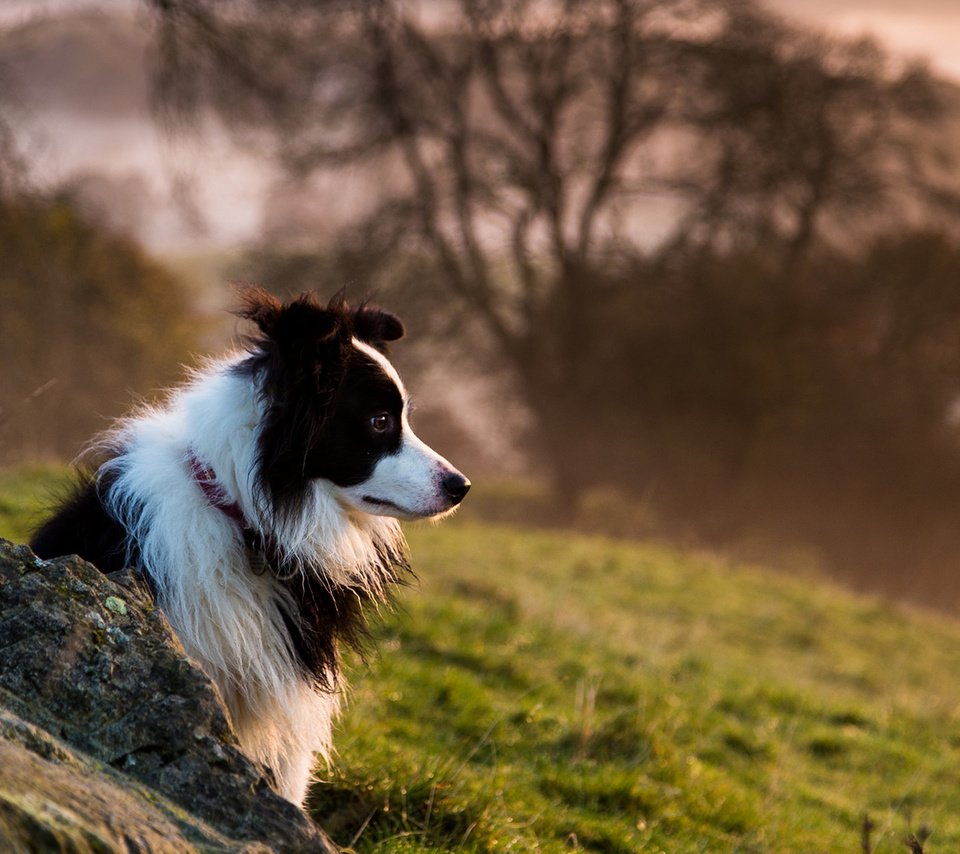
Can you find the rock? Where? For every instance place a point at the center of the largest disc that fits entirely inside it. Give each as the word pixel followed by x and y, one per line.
pixel 111 739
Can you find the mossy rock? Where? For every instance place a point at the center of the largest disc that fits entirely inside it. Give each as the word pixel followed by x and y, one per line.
pixel 111 739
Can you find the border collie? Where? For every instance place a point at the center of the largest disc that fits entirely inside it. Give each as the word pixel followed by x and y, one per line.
pixel 261 504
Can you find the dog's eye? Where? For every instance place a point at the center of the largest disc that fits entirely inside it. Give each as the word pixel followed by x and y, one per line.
pixel 381 423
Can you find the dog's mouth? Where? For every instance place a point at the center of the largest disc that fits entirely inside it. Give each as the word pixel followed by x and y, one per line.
pixel 391 508
pixel 382 502
pixel 405 512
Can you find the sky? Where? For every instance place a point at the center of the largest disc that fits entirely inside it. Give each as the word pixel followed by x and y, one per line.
pixel 929 28
pixel 915 28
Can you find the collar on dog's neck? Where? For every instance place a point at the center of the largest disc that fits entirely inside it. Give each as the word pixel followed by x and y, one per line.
pixel 261 544
pixel 206 479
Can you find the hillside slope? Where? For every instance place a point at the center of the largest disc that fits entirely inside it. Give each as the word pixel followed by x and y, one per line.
pixel 552 692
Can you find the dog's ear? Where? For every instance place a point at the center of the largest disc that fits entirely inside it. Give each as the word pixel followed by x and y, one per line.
pixel 299 323
pixel 260 307
pixel 376 327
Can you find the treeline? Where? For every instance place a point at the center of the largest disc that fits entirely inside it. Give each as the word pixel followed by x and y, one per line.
pixel 88 324
pixel 819 411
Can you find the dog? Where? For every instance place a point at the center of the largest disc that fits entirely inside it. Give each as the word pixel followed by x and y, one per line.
pixel 261 504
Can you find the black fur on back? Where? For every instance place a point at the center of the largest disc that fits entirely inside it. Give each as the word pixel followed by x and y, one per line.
pixel 82 526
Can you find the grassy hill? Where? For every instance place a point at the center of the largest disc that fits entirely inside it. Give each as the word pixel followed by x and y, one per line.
pixel 542 691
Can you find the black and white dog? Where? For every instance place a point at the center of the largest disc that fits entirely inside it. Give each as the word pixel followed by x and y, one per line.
pixel 261 503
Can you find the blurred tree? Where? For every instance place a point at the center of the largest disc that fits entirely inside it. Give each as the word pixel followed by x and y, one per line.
pixel 533 139
pixel 13 170
pixel 804 139
pixel 86 319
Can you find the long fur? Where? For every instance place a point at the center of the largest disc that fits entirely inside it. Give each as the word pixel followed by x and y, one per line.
pixel 229 619
pixel 264 607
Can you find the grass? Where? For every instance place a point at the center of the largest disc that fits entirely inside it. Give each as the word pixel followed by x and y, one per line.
pixel 24 493
pixel 549 692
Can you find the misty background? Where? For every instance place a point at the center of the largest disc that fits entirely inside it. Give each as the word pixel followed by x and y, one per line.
pixel 685 269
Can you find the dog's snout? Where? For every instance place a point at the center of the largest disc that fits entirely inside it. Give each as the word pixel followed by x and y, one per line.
pixel 456 486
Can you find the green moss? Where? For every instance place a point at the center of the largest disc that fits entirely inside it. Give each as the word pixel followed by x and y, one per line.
pixel 116 605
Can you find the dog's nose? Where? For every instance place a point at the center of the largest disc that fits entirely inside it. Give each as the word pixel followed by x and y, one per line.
pixel 456 486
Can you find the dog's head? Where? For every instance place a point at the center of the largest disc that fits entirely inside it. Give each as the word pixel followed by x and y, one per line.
pixel 335 408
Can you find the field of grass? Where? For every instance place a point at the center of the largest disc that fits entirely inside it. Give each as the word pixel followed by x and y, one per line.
pixel 549 692
pixel 24 494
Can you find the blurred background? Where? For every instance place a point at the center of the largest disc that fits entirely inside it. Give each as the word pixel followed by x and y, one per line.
pixel 675 269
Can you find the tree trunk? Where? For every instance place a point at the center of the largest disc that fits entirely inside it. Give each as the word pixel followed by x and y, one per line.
pixel 557 439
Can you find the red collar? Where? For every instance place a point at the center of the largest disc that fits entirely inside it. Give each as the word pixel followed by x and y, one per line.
pixel 261 543
pixel 206 479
